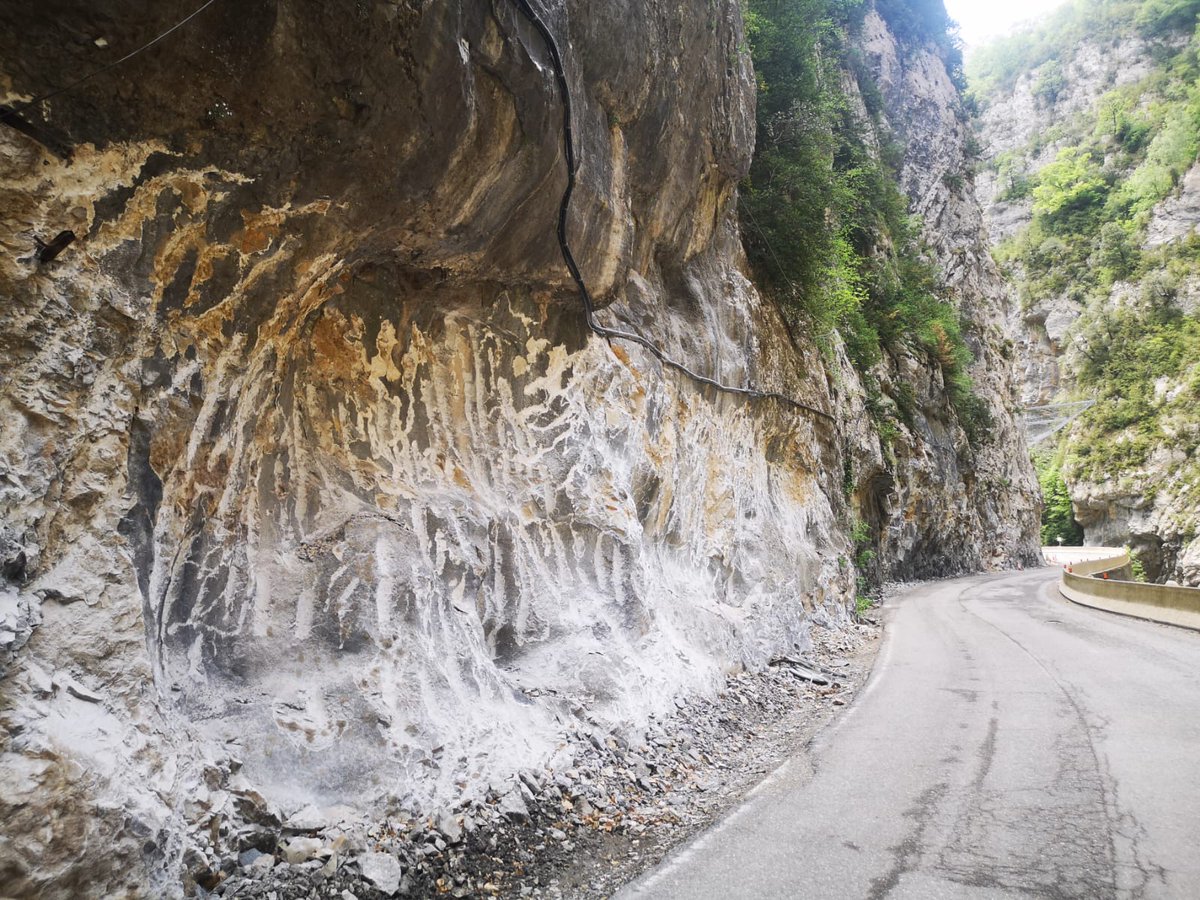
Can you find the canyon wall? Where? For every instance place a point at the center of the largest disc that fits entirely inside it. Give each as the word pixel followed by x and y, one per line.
pixel 998 501
pixel 316 491
pixel 1109 307
pixel 1022 130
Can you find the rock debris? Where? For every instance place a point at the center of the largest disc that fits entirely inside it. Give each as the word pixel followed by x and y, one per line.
pixel 611 806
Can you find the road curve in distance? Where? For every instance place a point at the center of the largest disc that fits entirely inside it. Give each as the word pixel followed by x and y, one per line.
pixel 1009 744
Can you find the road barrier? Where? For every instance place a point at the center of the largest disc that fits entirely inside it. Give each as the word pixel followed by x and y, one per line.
pixel 1101 577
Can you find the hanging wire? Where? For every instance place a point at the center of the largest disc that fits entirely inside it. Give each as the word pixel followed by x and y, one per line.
pixel 766 243
pixel 564 207
pixel 564 245
pixel 21 107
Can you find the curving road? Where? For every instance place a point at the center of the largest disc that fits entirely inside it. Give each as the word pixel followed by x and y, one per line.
pixel 1009 744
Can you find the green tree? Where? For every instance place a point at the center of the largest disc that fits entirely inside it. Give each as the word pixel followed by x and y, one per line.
pixel 1051 82
pixel 1070 189
pixel 1118 253
pixel 826 225
pixel 791 191
pixel 1058 516
pixel 1157 17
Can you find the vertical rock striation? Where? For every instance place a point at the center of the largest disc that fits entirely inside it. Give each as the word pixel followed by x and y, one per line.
pixel 941 505
pixel 314 488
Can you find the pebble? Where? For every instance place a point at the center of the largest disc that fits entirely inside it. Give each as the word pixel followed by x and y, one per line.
pixel 449 826
pixel 382 871
pixel 247 858
pixel 301 849
pixel 513 807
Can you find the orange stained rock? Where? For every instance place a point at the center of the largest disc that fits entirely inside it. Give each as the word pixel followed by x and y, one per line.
pixel 254 240
pixel 331 350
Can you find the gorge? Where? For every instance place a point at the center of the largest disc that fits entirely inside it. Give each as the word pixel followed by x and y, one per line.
pixel 1091 124
pixel 322 503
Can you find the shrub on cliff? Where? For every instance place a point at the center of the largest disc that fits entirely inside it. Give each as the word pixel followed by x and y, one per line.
pixel 1157 17
pixel 1070 192
pixel 826 225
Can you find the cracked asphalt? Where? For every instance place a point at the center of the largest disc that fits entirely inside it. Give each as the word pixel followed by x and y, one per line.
pixel 1008 744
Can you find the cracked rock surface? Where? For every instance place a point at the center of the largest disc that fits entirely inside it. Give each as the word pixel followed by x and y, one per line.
pixel 315 494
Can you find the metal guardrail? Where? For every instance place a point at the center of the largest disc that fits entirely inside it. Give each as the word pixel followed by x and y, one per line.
pixel 1095 577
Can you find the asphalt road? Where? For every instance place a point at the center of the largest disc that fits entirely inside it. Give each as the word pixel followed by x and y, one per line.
pixel 1008 744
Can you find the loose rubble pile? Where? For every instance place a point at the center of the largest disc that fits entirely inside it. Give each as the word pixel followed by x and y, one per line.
pixel 606 807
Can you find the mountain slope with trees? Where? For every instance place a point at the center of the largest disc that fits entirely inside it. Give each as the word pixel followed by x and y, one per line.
pixel 1091 128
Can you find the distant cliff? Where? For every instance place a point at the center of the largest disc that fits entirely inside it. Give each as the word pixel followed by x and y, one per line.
pixel 1091 128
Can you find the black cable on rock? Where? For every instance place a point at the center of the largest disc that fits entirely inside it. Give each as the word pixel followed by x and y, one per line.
pixel 564 208
pixel 10 115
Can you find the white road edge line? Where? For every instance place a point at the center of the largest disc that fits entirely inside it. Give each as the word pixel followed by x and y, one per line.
pixel 677 858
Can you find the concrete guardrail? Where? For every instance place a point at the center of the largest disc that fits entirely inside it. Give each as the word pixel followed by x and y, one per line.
pixel 1101 577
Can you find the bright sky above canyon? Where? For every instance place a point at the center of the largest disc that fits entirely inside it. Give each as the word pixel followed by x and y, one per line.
pixel 980 21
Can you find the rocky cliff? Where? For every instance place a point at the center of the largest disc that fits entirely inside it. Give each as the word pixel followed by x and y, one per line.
pixel 1022 129
pixel 1091 192
pixel 923 113
pixel 316 489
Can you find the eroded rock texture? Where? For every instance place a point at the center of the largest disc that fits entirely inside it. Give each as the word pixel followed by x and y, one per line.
pixel 1025 127
pixel 314 487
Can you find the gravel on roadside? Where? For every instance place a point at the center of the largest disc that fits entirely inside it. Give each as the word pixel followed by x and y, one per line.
pixel 610 805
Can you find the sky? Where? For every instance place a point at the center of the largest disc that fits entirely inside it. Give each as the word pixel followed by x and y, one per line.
pixel 984 19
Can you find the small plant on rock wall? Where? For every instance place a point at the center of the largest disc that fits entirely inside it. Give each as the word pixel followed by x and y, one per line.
pixel 864 555
pixel 1137 567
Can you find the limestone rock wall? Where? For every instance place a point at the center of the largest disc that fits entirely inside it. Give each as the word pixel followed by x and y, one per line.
pixel 1028 129
pixel 314 488
pixel 939 498
pixel 1153 506
pixel 1023 121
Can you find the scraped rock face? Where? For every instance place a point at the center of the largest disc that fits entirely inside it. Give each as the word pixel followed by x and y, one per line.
pixel 316 490
pixel 310 460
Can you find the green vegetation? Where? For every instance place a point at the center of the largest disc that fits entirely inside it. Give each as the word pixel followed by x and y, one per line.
pixel 1058 518
pixel 1092 206
pixel 1070 192
pixel 860 535
pixel 1047 48
pixel 864 555
pixel 1137 567
pixel 926 20
pixel 1123 355
pixel 826 226
pixel 1162 16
